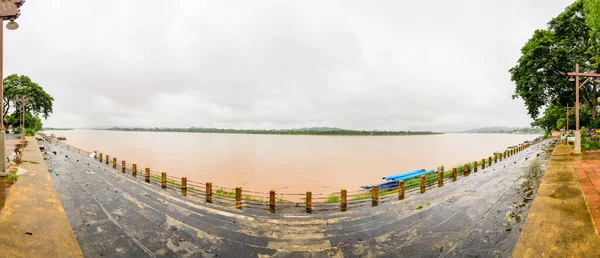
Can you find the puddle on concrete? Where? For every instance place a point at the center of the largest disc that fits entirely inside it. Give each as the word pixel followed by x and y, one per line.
pixel 4 187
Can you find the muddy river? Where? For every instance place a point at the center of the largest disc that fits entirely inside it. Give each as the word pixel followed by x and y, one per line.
pixel 289 163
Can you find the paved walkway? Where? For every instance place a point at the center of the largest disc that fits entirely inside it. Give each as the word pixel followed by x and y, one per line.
pixel 559 223
pixel 588 171
pixel 33 222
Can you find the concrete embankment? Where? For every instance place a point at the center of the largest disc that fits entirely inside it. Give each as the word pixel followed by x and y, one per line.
pixel 115 214
pixel 559 223
pixel 33 222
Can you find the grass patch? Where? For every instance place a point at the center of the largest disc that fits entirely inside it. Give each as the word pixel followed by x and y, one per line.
pixel 362 196
pixel 13 174
pixel 169 181
pixel 332 198
pixel 224 193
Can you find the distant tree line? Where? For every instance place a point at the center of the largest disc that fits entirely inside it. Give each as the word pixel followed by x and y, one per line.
pixel 279 132
pixel 56 129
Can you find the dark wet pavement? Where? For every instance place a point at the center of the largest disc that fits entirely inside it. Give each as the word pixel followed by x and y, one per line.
pixel 5 183
pixel 113 214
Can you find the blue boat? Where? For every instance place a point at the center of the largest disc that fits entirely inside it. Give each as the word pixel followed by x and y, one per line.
pixel 392 181
pixel 395 177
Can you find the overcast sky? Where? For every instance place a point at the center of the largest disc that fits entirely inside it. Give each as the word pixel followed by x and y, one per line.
pixel 388 65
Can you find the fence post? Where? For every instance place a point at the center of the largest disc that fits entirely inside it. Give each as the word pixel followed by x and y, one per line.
pixel 209 192
pixel 147 175
pixel 482 164
pixel 343 200
pixel 134 170
pixel 123 166
pixel 114 162
pixel 272 201
pixel 375 195
pixel 489 161
pixel 440 179
pixel 100 157
pixel 184 183
pixel 495 158
pixel 107 159
pixel 308 202
pixel 475 166
pixel 423 188
pixel 238 198
pixel 467 171
pixel 454 174
pixel 401 190
pixel 163 180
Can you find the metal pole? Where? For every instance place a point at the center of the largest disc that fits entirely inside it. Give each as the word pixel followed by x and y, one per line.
pixel 2 134
pixel 577 132
pixel 23 121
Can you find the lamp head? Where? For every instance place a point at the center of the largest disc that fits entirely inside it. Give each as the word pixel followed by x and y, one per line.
pixel 12 25
pixel 571 79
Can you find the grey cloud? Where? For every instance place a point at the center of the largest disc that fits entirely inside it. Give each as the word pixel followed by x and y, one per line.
pixel 394 65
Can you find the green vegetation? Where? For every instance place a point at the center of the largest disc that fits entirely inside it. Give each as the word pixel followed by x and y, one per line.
pixel 56 129
pixel 39 103
pixel 222 192
pixel 508 130
pixel 332 198
pixel 366 195
pixel 169 181
pixel 587 143
pixel 307 131
pixel 572 37
pixel 13 174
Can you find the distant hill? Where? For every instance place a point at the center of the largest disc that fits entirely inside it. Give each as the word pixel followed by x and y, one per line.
pixel 502 129
pixel 301 131
pixel 319 129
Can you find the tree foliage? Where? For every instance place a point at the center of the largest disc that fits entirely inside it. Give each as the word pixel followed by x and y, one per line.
pixel 39 101
pixel 592 20
pixel 541 72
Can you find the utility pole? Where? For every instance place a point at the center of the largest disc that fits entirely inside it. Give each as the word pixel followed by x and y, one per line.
pixel 22 103
pixel 578 86
pixel 9 11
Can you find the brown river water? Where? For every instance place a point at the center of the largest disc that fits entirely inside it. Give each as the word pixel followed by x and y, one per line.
pixel 289 163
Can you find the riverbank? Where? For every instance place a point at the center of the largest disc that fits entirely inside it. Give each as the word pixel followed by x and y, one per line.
pixel 559 223
pixel 288 163
pixel 33 222
pixel 104 205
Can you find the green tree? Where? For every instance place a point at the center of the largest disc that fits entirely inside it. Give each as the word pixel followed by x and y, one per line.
pixel 592 20
pixel 22 87
pixel 541 72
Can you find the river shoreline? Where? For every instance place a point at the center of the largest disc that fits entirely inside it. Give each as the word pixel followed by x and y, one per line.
pixel 289 164
pixel 451 219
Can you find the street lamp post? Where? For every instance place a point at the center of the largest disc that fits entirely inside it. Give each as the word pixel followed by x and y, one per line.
pixel 9 11
pixel 578 86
